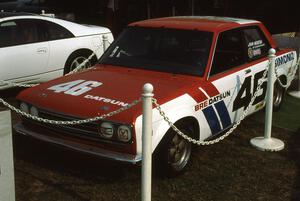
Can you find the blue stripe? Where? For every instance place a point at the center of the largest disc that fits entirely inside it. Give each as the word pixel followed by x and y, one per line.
pixel 223 114
pixel 212 119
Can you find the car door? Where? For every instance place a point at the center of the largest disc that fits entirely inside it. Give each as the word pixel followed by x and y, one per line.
pixel 23 51
pixel 229 69
pixel 239 62
pixel 257 57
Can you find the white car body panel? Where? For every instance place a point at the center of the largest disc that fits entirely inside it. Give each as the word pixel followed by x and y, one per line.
pixel 183 106
pixel 44 61
pixel 33 56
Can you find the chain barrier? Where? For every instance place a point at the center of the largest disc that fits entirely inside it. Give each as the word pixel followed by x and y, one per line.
pixel 13 84
pixel 292 77
pixel 74 122
pixel 211 142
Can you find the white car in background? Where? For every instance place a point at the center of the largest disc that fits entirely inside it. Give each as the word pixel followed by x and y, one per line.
pixel 36 48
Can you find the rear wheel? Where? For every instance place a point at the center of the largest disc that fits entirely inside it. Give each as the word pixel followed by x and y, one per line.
pixel 278 96
pixel 77 59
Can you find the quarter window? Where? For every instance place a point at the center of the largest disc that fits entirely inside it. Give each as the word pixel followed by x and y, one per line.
pixel 257 44
pixel 55 31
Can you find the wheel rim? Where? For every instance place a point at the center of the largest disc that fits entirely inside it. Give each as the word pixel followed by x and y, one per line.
pixel 79 60
pixel 179 152
pixel 277 96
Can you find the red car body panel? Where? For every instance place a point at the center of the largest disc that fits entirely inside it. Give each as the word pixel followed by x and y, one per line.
pixel 127 82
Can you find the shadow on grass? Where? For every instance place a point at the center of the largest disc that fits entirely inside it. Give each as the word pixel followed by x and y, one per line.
pixel 65 160
pixel 294 153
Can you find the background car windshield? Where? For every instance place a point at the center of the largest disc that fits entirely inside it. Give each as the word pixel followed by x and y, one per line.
pixel 161 49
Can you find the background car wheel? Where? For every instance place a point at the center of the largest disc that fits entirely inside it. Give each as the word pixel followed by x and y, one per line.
pixel 76 58
pixel 278 96
pixel 174 153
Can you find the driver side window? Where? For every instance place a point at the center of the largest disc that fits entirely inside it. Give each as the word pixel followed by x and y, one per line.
pixel 229 52
pixel 18 32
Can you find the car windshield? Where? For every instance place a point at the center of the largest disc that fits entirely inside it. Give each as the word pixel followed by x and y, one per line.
pixel 160 49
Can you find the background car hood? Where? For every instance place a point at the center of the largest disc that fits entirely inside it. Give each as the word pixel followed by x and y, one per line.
pixel 120 85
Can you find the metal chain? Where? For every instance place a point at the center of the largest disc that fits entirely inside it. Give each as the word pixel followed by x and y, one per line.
pixel 12 84
pixel 74 122
pixel 211 142
pixel 292 77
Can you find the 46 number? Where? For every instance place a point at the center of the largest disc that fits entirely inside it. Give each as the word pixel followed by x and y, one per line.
pixel 75 88
pixel 244 95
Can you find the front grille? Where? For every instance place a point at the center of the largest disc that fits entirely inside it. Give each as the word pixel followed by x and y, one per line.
pixel 85 131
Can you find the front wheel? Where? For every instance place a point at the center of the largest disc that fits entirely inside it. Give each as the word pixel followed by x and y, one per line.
pixel 178 153
pixel 174 153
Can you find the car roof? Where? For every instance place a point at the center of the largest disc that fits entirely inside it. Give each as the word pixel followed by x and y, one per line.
pixel 75 28
pixel 204 23
pixel 14 14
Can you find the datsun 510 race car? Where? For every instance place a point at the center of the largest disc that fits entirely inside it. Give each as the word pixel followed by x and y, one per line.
pixel 204 71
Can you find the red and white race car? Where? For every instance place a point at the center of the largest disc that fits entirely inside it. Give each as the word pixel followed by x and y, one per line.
pixel 204 71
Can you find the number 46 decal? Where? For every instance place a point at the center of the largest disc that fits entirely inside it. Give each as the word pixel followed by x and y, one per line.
pixel 75 88
pixel 244 96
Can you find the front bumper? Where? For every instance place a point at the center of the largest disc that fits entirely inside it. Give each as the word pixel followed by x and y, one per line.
pixel 85 148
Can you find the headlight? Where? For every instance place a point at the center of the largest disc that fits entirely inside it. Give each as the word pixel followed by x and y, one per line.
pixel 124 133
pixel 34 111
pixel 24 107
pixel 106 130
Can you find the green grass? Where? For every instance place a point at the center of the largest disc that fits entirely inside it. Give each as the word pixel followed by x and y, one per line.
pixel 287 117
pixel 228 171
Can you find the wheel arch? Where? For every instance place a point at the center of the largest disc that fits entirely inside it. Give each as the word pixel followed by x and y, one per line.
pixel 80 51
pixel 190 121
pixel 283 79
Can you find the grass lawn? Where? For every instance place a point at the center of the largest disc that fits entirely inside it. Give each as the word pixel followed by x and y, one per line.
pixel 231 170
pixel 287 117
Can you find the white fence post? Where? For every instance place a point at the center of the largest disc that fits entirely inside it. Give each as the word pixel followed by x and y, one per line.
pixel 148 10
pixel 7 182
pixel 147 142
pixel 192 7
pixel 105 42
pixel 267 143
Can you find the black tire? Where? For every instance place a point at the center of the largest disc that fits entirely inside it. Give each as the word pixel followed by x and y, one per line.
pixel 77 58
pixel 173 154
pixel 278 96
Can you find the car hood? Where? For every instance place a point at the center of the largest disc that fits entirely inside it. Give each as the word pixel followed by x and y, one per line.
pixel 120 86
